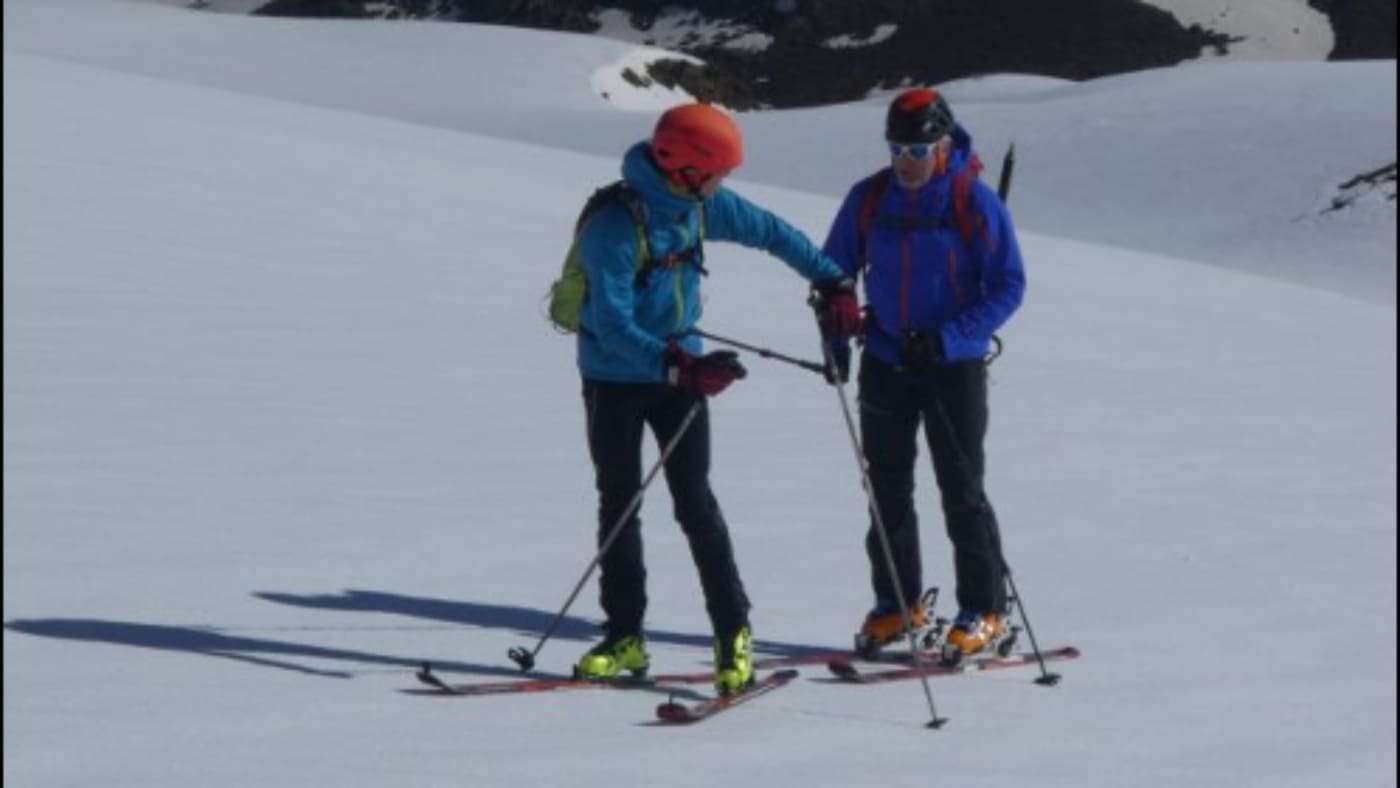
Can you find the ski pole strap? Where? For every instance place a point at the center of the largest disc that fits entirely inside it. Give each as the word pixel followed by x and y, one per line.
pixel 994 353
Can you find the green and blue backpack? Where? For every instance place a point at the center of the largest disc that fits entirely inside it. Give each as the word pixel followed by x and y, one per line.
pixel 569 292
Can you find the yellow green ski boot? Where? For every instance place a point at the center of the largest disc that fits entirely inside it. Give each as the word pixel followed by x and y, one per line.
pixel 733 661
pixel 608 659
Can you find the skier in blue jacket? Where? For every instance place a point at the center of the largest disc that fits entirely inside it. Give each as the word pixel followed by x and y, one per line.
pixel 642 367
pixel 942 272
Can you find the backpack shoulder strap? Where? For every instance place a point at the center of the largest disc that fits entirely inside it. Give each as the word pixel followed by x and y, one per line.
pixel 695 255
pixel 636 207
pixel 966 214
pixel 619 191
pixel 875 188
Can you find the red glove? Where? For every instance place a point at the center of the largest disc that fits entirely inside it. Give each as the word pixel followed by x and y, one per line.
pixel 709 374
pixel 838 310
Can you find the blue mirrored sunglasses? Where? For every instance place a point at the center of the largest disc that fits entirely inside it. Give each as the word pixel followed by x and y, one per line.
pixel 917 150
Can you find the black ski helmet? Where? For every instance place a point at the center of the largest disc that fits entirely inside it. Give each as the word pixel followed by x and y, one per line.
pixel 918 115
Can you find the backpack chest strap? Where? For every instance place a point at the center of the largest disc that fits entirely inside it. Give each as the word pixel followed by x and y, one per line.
pixel 908 224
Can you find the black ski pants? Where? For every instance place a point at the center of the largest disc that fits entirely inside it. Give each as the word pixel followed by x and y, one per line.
pixel 950 400
pixel 618 414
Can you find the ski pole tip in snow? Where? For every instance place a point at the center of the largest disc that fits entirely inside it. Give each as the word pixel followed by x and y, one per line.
pixel 936 723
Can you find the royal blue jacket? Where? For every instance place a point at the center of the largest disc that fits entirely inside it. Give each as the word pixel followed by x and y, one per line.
pixel 625 326
pixel 930 280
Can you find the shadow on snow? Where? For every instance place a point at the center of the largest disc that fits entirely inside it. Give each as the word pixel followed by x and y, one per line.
pixel 213 641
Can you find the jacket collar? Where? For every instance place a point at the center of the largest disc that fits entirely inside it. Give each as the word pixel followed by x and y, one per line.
pixel 959 159
pixel 642 174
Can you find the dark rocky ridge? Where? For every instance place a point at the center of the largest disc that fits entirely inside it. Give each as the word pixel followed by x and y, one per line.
pixel 1364 29
pixel 936 40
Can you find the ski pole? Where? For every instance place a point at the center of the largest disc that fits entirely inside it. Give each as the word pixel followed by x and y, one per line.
pixel 811 366
pixel 1046 678
pixel 936 721
pixel 526 659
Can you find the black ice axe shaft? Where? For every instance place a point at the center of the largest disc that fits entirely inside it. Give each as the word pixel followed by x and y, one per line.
pixel 1008 167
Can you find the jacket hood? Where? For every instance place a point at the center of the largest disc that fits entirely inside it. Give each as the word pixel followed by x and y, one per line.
pixel 960 157
pixel 647 180
pixel 961 154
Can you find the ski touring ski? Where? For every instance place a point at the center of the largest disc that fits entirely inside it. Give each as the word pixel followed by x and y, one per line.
pixel 676 713
pixel 435 685
pixel 845 670
pixel 834 655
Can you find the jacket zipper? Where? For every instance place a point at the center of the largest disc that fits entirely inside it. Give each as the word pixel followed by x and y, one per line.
pixel 907 281
pixel 680 296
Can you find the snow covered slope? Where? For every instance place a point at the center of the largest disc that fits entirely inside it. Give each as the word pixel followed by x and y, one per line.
pixel 282 420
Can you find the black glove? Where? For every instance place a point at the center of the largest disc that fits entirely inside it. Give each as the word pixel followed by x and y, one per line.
pixel 838 354
pixel 920 350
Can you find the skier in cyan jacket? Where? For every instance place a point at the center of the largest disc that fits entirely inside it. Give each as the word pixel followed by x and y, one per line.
pixel 942 271
pixel 642 367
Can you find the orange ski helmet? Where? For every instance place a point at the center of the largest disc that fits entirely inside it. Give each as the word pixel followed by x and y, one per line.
pixel 698 136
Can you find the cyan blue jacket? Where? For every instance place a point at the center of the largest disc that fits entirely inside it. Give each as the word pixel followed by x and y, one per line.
pixel 930 280
pixel 625 326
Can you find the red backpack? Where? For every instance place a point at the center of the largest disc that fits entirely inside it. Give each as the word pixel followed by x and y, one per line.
pixel 966 218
